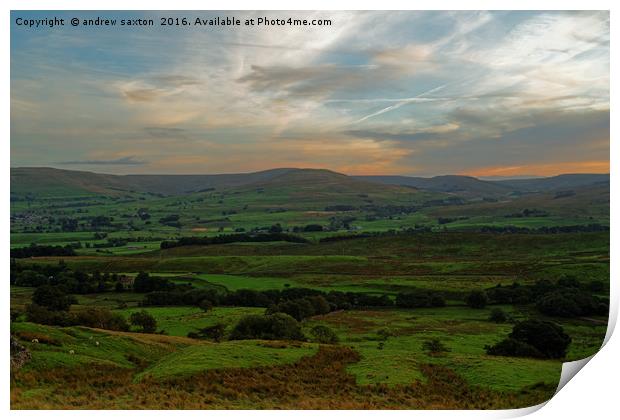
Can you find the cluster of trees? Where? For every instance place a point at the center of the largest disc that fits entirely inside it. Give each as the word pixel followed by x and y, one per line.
pixel 565 298
pixel 302 308
pixel 420 299
pixel 51 304
pixel 276 326
pixel 300 303
pixel 533 338
pixel 34 250
pixel 71 281
pixel 237 237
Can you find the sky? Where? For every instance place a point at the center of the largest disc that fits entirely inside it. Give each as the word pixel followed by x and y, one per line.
pixel 488 94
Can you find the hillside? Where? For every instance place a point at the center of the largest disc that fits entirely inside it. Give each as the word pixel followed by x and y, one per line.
pixel 567 181
pixel 50 182
pixel 460 185
pixel 57 182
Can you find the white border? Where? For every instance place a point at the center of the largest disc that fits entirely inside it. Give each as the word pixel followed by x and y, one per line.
pixel 593 393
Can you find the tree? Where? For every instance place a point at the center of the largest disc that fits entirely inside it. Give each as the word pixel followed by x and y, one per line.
pixel 142 282
pixel 498 316
pixel 533 338
pixel 477 299
pixel 319 304
pixel 545 336
pixel 513 348
pixel 278 326
pixel 323 334
pixel 144 320
pixel 53 298
pixel 205 305
pixel 102 318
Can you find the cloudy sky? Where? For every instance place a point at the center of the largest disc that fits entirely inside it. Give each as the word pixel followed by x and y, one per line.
pixel 411 93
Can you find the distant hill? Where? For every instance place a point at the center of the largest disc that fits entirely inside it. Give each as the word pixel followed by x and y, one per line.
pixel 59 182
pixel 323 179
pixel 567 181
pixel 466 186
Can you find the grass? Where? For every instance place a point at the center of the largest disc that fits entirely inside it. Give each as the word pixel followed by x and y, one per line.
pixel 179 321
pixel 400 358
pixel 117 350
pixel 232 354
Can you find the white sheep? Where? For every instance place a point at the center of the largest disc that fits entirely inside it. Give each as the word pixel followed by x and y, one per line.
pixel 35 340
pixel 97 343
pixel 71 352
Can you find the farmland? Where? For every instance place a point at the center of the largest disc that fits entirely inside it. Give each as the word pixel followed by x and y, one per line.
pixel 391 269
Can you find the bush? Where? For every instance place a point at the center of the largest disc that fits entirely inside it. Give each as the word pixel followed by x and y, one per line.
pixel 205 305
pixel 477 299
pixel 498 316
pixel 514 348
pixel 144 320
pixel 545 336
pixel 53 298
pixel 101 318
pixel 434 347
pixel 323 334
pixel 214 332
pixel 298 308
pixel 533 338
pixel 419 299
pixel 384 334
pixel 42 315
pixel 570 303
pixel 278 326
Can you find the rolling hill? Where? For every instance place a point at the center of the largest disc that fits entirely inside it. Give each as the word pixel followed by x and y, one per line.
pixel 51 182
pixel 466 186
pixel 567 181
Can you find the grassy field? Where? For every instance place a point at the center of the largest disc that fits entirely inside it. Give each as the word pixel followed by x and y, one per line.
pixel 379 360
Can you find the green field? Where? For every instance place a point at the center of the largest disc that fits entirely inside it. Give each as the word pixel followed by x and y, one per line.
pixel 398 240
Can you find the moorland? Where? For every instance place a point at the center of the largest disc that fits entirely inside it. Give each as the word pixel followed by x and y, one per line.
pixel 302 288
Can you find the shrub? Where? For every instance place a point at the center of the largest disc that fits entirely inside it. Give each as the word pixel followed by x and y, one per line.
pixel 533 338
pixel 477 299
pixel 101 318
pixel 498 316
pixel 434 347
pixel 277 326
pixel 205 305
pixel 41 315
pixel 384 334
pixel 214 332
pixel 545 336
pixel 571 303
pixel 53 298
pixel 298 308
pixel 514 348
pixel 323 334
pixel 419 299
pixel 144 320
pixel 319 304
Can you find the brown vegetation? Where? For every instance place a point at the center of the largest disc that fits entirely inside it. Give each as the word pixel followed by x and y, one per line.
pixel 316 382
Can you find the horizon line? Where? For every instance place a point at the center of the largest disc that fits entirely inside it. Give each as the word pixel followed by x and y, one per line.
pixel 485 178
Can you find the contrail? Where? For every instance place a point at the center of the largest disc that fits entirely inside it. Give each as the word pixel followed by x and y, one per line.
pixel 417 98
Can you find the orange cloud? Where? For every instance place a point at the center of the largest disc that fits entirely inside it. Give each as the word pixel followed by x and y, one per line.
pixel 544 169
